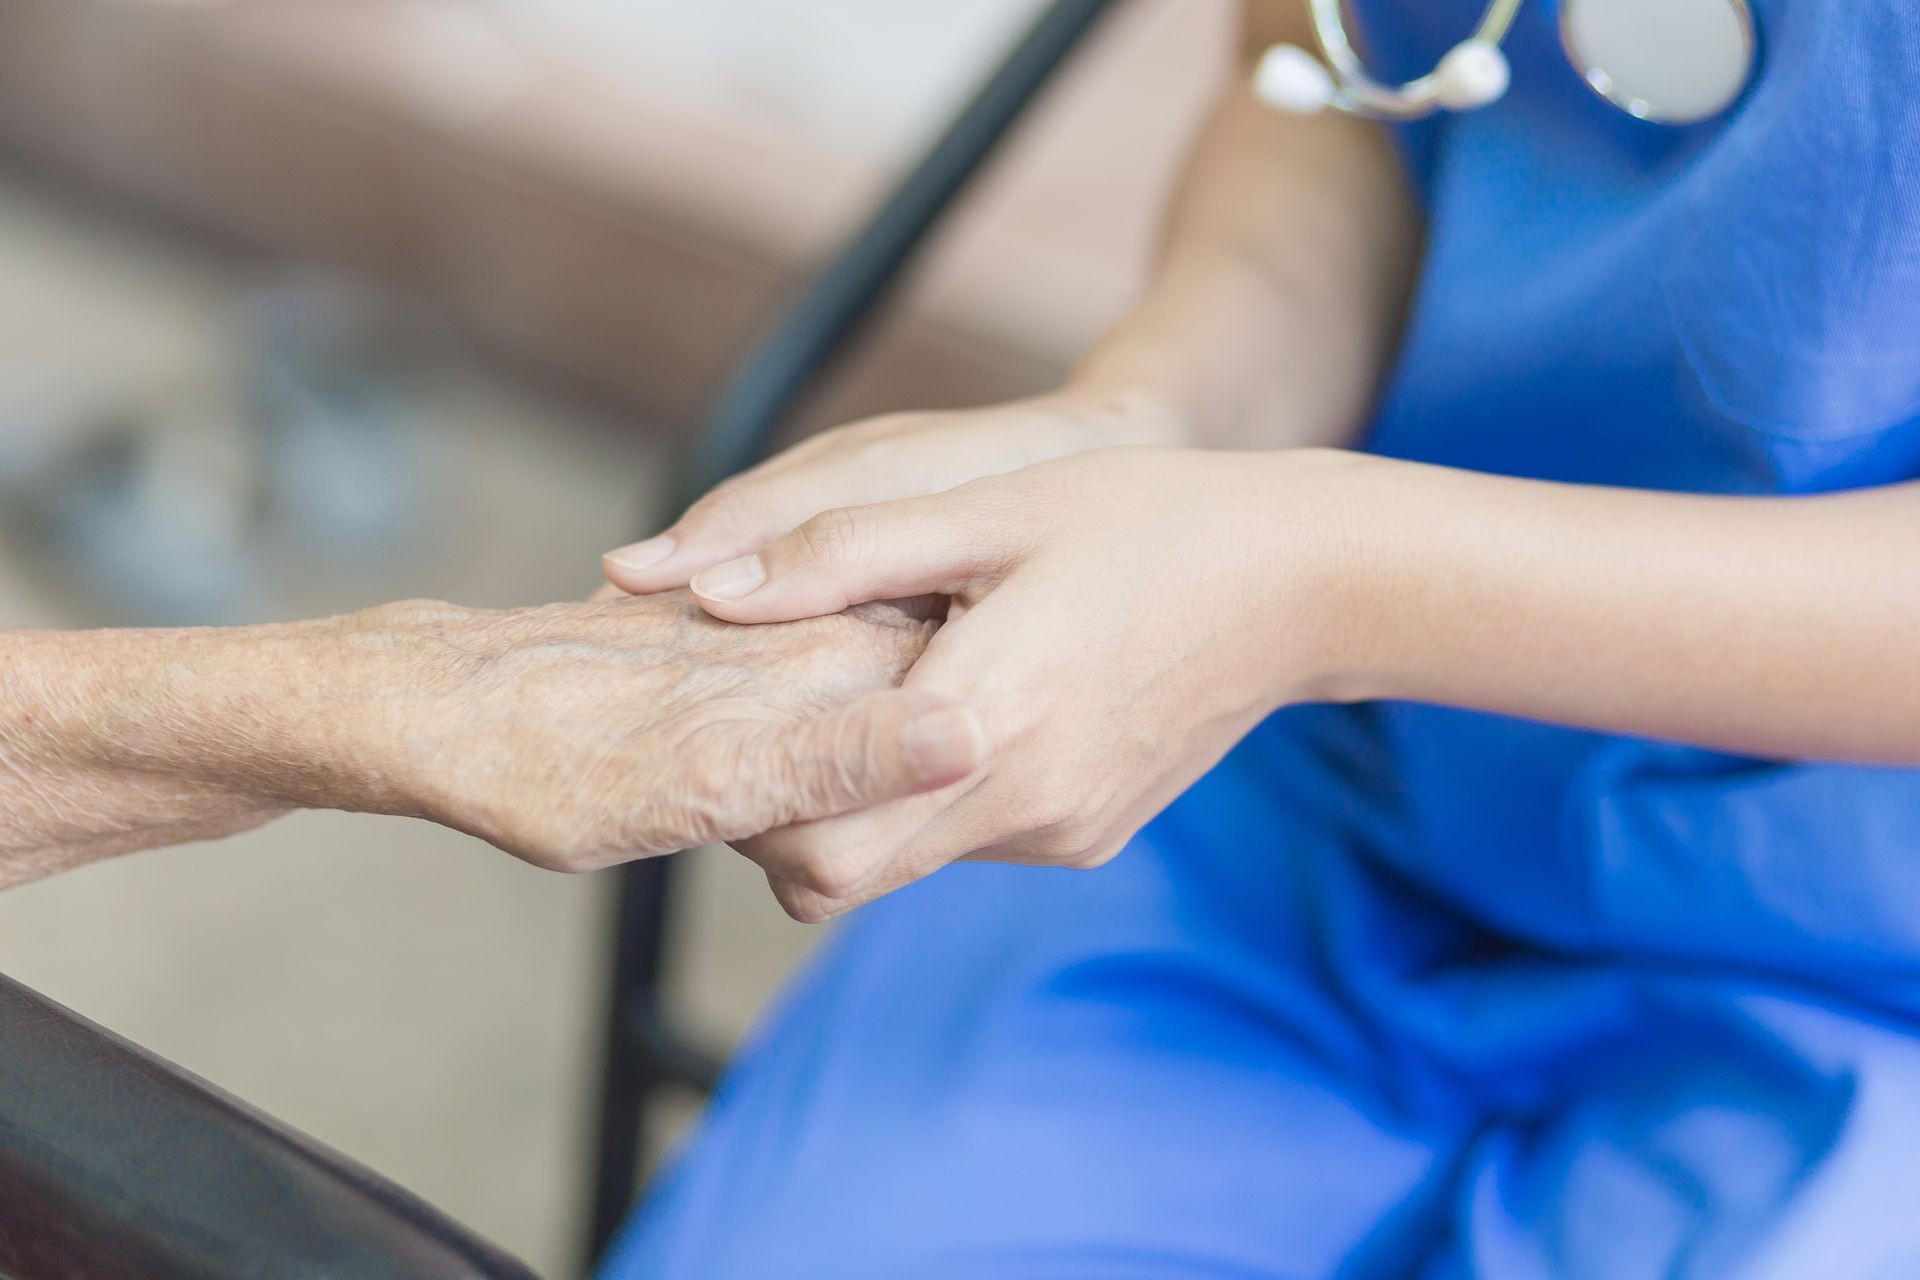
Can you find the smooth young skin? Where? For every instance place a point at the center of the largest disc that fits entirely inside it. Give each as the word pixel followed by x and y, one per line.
pixel 574 736
pixel 1116 637
pixel 1123 615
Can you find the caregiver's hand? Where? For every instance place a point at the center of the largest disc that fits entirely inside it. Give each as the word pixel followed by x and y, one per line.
pixel 901 455
pixel 1119 619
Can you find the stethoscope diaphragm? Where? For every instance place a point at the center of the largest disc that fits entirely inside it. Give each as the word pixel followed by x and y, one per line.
pixel 1671 61
pixel 1696 68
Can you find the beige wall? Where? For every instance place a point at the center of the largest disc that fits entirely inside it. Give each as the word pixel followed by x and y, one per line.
pixel 626 211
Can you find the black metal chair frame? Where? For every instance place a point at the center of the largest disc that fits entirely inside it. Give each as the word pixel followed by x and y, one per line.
pixel 644 1052
pixel 116 1165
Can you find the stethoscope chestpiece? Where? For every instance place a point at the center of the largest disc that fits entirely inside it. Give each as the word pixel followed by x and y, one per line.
pixel 1701 55
pixel 1670 61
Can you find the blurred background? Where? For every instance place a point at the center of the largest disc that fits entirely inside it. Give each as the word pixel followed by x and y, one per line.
pixel 308 304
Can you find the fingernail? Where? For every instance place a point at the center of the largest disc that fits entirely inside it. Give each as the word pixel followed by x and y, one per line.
pixel 945 744
pixel 731 580
pixel 641 555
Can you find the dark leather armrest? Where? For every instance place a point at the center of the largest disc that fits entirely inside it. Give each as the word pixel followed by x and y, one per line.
pixel 116 1165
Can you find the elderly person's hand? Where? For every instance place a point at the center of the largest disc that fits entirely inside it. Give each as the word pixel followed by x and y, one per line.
pixel 578 736
pixel 575 736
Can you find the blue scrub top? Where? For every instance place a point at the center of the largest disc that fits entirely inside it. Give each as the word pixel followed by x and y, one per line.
pixel 1407 991
pixel 1732 307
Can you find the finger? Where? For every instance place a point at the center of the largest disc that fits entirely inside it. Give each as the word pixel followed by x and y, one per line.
pixel 821 871
pixel 809 905
pixel 880 748
pixel 938 545
pixel 735 519
pixel 838 857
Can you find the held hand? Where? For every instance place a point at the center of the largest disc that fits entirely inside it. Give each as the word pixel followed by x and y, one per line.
pixel 1119 620
pixel 898 456
pixel 581 736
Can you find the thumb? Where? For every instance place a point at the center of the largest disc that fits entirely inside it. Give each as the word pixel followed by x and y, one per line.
pixel 888 551
pixel 879 748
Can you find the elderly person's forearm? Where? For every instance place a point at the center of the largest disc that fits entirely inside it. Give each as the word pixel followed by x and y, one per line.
pixel 574 736
pixel 112 741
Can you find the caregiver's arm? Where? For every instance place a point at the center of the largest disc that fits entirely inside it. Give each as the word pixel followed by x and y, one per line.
pixel 1285 266
pixel 573 736
pixel 1776 627
pixel 1123 617
pixel 1272 311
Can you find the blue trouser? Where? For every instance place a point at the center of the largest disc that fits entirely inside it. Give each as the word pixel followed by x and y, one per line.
pixel 1246 1049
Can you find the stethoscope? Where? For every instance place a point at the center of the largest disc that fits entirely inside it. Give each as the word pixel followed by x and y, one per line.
pixel 1669 61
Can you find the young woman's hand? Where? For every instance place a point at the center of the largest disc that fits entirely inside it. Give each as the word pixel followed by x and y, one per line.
pixel 898 456
pixel 1118 620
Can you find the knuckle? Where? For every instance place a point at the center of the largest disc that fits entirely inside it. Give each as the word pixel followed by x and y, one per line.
pixel 802 905
pixel 1056 815
pixel 732 502
pixel 1098 856
pixel 833 874
pixel 831 536
pixel 1059 792
pixel 1067 839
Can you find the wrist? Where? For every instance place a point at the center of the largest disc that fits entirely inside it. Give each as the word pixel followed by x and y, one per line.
pixel 266 717
pixel 1343 535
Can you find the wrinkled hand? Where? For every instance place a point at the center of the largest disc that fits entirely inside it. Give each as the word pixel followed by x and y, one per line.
pixel 1118 619
pixel 579 736
pixel 902 455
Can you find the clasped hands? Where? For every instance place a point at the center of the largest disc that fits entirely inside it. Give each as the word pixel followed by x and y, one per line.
pixel 1009 634
pixel 1114 616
